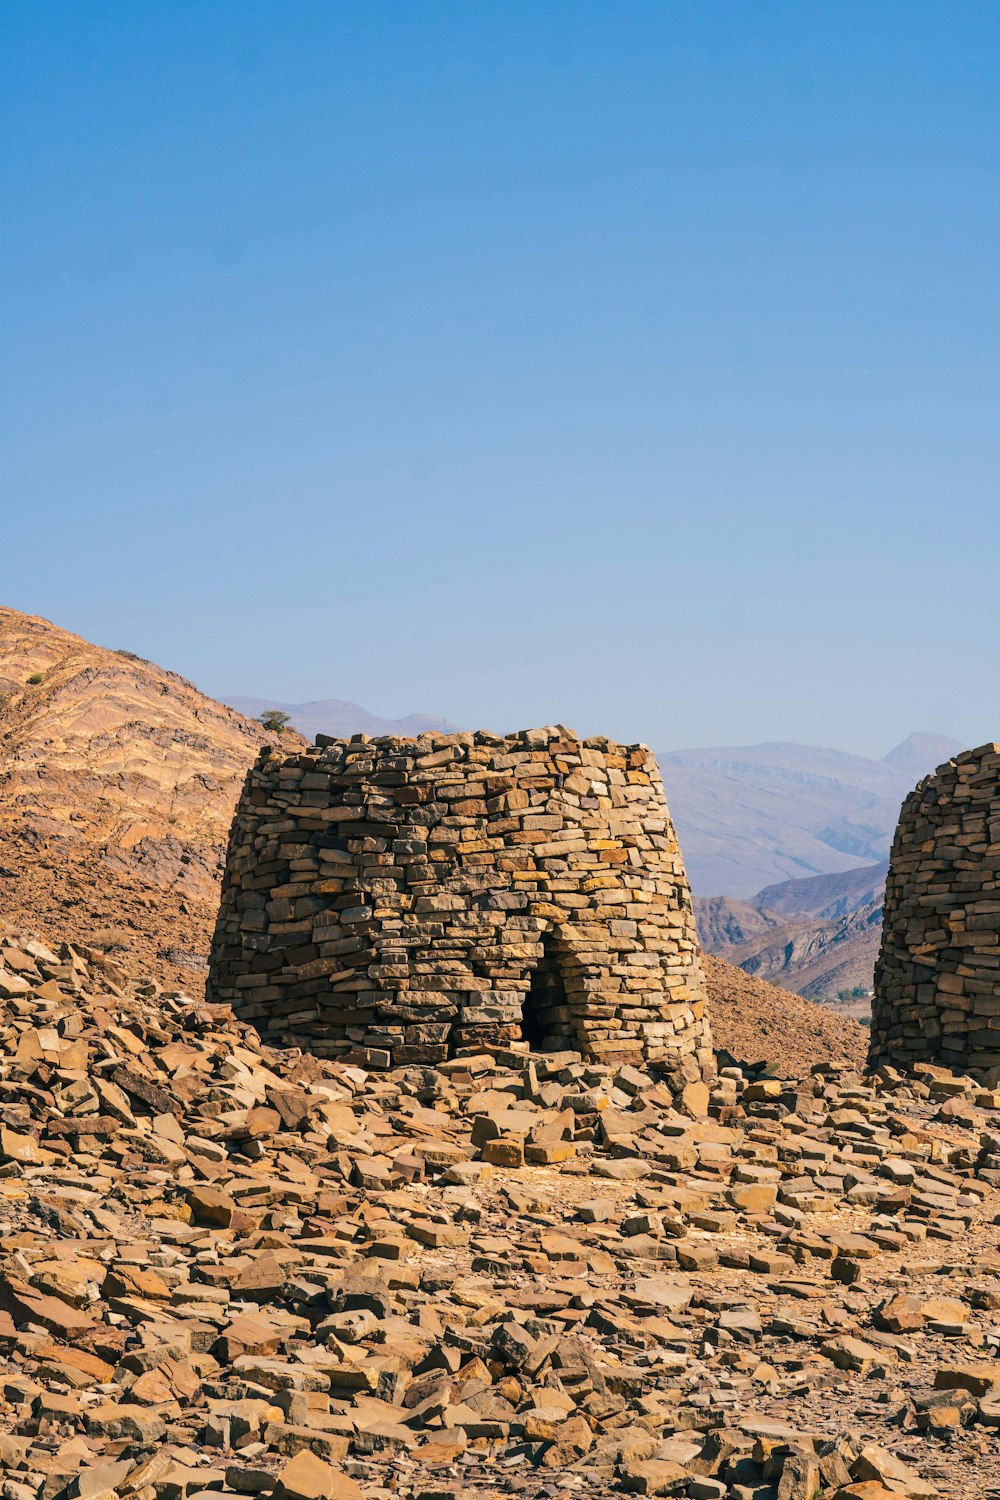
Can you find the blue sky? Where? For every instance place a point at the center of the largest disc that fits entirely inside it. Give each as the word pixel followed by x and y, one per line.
pixel 633 365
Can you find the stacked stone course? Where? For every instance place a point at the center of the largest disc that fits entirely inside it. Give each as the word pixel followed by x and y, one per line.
pixel 401 900
pixel 937 981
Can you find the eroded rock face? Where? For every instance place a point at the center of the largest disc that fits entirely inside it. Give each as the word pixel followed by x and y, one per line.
pixel 397 900
pixel 108 754
pixel 937 982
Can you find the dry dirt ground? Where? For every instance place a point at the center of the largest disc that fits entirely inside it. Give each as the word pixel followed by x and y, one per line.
pixel 757 1022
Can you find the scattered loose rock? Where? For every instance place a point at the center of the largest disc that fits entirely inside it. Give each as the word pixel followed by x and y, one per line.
pixel 231 1270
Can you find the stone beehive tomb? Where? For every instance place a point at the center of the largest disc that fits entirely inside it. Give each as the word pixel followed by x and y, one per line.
pixel 937 982
pixel 405 899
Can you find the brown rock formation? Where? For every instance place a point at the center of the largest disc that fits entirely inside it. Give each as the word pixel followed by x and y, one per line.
pixel 116 757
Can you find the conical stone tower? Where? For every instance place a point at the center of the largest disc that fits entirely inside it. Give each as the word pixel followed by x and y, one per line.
pixel 937 982
pixel 401 900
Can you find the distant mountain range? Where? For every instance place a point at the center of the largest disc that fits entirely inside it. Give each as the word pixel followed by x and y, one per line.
pixel 757 815
pixel 817 937
pixel 744 816
pixel 338 717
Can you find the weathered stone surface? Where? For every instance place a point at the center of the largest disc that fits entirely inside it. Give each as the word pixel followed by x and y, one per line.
pixel 306 1477
pixel 398 900
pixel 937 981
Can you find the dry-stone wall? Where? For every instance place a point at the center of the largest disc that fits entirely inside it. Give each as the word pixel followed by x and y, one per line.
pixel 403 899
pixel 937 983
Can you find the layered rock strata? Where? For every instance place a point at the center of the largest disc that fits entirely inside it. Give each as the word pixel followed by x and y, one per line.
pixel 937 982
pixel 399 900
pixel 113 761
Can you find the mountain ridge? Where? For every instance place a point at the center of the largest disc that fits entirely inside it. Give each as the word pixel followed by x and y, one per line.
pixel 340 718
pixel 921 753
pixel 107 751
pixel 814 937
pixel 826 896
pixel 749 817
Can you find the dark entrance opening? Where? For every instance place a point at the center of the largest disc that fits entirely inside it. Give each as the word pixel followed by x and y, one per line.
pixel 543 1015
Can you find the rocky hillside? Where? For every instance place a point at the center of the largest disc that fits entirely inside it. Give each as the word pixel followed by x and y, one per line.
pixel 117 786
pixel 760 1025
pixel 816 958
pixel 114 759
pixel 725 923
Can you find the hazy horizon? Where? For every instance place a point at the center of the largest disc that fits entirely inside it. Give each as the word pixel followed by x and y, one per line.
pixel 629 367
pixel 422 710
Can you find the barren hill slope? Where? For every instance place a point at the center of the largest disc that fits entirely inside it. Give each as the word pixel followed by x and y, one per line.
pixel 757 1022
pixel 119 758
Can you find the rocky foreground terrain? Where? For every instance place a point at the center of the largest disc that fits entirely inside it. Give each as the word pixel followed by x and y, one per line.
pixel 230 1270
pixel 226 1270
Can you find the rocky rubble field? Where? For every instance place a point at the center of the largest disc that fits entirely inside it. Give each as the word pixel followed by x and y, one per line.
pixel 227 1270
pixel 60 894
